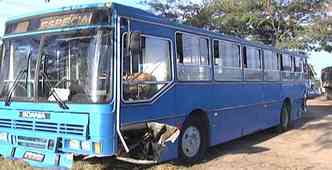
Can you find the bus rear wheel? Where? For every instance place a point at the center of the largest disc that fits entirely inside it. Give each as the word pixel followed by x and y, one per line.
pixel 285 120
pixel 193 141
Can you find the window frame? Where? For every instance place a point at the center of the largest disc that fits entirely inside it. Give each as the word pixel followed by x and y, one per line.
pixel 210 59
pixel 245 58
pixel 238 44
pixel 167 83
pixel 227 41
pixel 283 62
pixel 274 54
pixel 300 59
pixel 280 60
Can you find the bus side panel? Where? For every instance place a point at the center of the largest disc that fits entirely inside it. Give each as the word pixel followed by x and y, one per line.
pixel 163 108
pixel 294 91
pixel 252 96
pixel 236 113
pixel 226 117
pixel 192 96
pixel 297 106
pixel 271 116
pixel 161 111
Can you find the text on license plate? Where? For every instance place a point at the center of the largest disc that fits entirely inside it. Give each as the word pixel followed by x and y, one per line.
pixel 34 156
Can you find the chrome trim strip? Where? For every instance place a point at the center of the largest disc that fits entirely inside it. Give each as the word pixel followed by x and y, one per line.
pixel 244 106
pixel 157 119
pixel 118 85
pixel 282 83
pixel 211 111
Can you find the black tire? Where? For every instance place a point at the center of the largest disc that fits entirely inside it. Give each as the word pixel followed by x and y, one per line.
pixel 202 127
pixel 285 118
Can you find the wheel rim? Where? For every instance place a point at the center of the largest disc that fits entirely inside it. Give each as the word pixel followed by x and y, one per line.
pixel 285 117
pixel 191 141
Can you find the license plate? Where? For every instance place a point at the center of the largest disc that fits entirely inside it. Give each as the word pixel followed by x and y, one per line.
pixel 34 156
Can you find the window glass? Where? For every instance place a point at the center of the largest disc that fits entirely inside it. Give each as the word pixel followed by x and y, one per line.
pixel 195 50
pixel 270 60
pixel 153 69
pixel 192 57
pixel 229 54
pixel 253 58
pixel 286 62
pixel 227 61
pixel 298 64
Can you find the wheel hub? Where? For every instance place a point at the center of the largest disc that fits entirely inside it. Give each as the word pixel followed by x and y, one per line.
pixel 191 141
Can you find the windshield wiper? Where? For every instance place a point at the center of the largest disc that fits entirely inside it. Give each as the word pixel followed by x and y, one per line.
pixel 12 89
pixel 60 102
pixel 22 72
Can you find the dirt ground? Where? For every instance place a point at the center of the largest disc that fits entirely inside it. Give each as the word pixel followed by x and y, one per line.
pixel 308 145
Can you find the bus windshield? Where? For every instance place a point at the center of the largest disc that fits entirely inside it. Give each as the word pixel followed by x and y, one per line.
pixel 75 66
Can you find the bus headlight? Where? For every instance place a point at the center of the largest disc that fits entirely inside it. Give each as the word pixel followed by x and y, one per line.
pixel 86 146
pixel 3 136
pixel 74 144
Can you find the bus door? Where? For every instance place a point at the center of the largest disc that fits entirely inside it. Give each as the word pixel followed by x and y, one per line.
pixel 147 91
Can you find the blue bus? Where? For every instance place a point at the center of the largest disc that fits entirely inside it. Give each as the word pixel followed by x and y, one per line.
pixel 107 80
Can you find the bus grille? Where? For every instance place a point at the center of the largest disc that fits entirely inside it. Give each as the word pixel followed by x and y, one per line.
pixel 38 126
pixel 31 142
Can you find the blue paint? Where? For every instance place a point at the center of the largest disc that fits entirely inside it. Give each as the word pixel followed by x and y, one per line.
pixel 234 109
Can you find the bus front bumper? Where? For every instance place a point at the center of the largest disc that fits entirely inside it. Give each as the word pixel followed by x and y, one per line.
pixel 37 158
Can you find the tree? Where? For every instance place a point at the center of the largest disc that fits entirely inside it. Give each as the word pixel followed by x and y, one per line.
pixel 280 23
pixel 197 14
pixel 322 33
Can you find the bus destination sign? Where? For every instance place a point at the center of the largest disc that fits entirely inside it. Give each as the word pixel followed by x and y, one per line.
pixel 65 20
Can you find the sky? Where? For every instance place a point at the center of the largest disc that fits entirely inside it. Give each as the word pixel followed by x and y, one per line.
pixel 9 8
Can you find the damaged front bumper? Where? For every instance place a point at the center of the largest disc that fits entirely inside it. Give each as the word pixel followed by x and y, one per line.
pixel 37 157
pixel 147 141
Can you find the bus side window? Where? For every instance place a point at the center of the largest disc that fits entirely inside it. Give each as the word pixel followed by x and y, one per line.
pixel 293 62
pixel 287 65
pixel 298 68
pixel 144 77
pixel 216 52
pixel 179 48
pixel 271 68
pixel 227 61
pixel 280 63
pixel 192 57
pixel 253 71
pixel 260 56
pixel 244 55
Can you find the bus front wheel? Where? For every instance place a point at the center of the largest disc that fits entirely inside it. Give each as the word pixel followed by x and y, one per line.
pixel 193 140
pixel 285 117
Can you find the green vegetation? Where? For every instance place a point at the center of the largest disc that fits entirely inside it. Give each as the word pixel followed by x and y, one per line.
pixel 293 24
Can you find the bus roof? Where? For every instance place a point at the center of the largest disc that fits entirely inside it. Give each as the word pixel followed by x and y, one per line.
pixel 131 12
